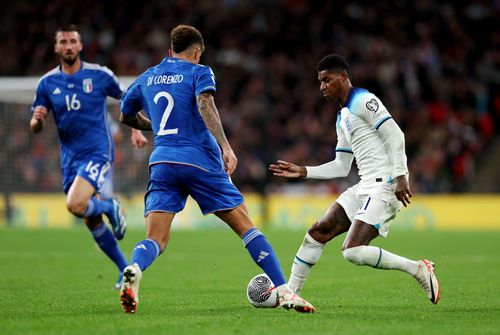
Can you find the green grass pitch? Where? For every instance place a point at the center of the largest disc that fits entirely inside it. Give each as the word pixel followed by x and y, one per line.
pixel 57 282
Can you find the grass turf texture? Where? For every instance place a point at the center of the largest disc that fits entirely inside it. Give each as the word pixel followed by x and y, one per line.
pixel 57 282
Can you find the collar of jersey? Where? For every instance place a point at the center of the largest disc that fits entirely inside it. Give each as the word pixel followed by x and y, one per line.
pixel 69 75
pixel 175 58
pixel 352 93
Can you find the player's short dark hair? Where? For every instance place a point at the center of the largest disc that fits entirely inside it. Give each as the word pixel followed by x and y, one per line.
pixel 67 28
pixel 333 62
pixel 184 36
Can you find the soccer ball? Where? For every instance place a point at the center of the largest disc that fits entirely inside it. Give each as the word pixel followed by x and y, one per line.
pixel 261 292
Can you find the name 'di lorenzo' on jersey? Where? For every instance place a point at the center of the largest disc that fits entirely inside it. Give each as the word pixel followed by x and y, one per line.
pixel 165 80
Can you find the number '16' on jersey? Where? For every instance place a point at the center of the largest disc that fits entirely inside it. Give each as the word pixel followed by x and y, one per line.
pixel 78 103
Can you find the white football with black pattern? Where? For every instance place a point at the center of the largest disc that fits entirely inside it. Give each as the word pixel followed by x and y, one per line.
pixel 261 292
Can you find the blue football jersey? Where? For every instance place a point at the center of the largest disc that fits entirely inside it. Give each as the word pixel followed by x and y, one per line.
pixel 167 93
pixel 78 102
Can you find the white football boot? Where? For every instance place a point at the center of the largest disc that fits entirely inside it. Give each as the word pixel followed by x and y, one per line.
pixel 288 299
pixel 129 294
pixel 427 279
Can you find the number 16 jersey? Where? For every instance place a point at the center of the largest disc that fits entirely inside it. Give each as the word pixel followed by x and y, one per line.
pixel 78 103
pixel 167 93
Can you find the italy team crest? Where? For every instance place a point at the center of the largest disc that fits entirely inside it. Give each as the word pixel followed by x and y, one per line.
pixel 87 85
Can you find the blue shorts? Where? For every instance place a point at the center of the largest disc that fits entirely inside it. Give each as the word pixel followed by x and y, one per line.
pixel 95 171
pixel 170 184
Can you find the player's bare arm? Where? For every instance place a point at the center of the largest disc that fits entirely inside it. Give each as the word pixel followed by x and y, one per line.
pixel 288 170
pixel 403 192
pixel 210 115
pixel 38 119
pixel 138 121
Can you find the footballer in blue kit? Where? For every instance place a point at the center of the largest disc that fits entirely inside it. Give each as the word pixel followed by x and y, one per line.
pixel 77 102
pixel 191 157
pixel 75 92
pixel 166 92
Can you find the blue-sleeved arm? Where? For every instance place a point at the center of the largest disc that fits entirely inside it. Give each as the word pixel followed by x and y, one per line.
pixel 131 102
pixel 113 87
pixel 41 98
pixel 205 81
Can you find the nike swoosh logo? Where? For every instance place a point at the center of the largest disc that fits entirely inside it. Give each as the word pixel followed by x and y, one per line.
pixel 432 291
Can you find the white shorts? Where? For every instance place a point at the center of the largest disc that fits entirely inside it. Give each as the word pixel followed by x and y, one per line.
pixel 376 205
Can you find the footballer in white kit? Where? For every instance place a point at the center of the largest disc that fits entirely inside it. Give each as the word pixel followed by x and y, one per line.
pixel 373 199
pixel 367 132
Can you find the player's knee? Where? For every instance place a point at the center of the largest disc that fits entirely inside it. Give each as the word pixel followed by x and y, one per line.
pixel 76 208
pixel 354 255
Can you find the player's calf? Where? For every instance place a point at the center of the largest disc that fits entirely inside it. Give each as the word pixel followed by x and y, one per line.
pixel 362 255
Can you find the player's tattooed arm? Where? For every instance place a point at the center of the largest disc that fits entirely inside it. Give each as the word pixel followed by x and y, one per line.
pixel 138 121
pixel 210 115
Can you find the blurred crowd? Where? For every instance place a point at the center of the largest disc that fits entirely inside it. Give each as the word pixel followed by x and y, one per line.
pixel 435 65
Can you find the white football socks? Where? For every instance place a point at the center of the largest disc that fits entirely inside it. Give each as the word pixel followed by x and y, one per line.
pixel 380 259
pixel 310 251
pixel 308 254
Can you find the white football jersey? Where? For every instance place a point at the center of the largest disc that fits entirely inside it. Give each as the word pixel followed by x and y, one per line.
pixel 357 125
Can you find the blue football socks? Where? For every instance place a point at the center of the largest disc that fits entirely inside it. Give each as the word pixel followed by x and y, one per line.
pixel 96 207
pixel 263 255
pixel 107 242
pixel 145 252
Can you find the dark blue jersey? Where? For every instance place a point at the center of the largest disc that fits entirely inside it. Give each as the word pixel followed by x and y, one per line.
pixel 78 102
pixel 167 93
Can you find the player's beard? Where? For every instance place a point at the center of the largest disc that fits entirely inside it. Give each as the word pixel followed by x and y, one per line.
pixel 69 59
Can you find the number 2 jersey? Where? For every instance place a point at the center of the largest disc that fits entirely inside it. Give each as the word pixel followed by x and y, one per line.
pixel 78 102
pixel 167 93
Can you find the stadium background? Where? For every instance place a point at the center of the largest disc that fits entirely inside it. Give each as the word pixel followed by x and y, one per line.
pixel 433 64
